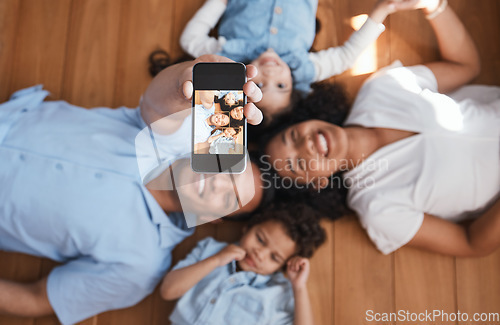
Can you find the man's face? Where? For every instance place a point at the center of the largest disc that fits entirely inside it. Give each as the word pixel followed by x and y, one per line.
pixel 219 119
pixel 268 247
pixel 217 195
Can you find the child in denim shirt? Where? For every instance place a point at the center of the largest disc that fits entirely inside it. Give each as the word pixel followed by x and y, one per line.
pixel 275 36
pixel 240 283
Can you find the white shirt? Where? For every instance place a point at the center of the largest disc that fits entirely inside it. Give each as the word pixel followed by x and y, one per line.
pixel 450 169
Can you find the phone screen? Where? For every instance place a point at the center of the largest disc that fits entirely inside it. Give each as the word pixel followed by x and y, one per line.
pixel 219 126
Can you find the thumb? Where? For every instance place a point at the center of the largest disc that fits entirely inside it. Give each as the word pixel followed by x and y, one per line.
pixel 187 89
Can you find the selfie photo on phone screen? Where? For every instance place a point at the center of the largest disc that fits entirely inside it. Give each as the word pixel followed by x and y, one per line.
pixel 219 128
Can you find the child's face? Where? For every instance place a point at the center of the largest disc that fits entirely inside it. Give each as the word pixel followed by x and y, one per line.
pixel 268 248
pixel 230 99
pixel 275 81
pixel 229 132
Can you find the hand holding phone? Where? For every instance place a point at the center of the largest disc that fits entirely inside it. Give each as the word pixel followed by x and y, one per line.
pixel 172 89
pixel 218 115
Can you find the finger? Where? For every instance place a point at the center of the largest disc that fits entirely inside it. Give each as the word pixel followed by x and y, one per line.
pixel 253 114
pixel 187 89
pixel 254 94
pixel 251 71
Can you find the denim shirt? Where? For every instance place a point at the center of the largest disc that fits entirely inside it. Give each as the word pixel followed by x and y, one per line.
pixel 250 27
pixel 228 297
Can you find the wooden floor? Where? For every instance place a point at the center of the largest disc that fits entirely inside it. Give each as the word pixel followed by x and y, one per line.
pixel 94 53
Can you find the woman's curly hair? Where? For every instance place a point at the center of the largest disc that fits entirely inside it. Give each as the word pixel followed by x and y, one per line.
pixel 327 102
pixel 300 222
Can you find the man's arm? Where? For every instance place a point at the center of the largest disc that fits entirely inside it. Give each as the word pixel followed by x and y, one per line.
pixel 460 61
pixel 194 39
pixel 177 282
pixel 25 299
pixel 480 238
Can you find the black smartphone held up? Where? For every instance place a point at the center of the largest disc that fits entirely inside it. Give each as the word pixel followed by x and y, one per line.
pixel 219 138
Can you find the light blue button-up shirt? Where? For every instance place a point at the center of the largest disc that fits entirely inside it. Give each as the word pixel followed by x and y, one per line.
pixel 287 26
pixel 228 297
pixel 71 191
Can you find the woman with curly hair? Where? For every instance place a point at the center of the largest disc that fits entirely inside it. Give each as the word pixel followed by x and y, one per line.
pixel 415 161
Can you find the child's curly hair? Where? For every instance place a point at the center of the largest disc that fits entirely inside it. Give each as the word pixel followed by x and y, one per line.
pixel 300 222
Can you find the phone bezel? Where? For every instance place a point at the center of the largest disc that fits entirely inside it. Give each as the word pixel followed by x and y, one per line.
pixel 219 76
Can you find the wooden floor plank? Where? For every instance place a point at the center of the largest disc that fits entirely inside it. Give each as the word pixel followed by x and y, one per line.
pixel 363 276
pixel 9 20
pixel 483 23
pixel 408 45
pixel 349 17
pixel 424 282
pixel 40 47
pixel 92 51
pixel 145 26
pixel 321 280
pixel 478 286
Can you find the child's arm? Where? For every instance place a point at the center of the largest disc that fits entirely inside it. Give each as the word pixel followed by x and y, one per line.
pixel 335 60
pixel 177 282
pixel 194 39
pixel 298 272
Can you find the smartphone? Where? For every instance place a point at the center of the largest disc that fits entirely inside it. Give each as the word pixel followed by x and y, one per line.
pixel 219 136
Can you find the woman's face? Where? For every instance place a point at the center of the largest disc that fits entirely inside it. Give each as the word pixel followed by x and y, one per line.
pixel 307 151
pixel 237 113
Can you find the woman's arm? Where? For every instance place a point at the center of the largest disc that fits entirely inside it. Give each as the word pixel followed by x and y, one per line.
pixel 177 282
pixel 194 39
pixel 335 60
pixel 480 238
pixel 460 61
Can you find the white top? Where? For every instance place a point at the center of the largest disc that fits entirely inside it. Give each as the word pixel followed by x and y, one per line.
pixel 450 169
pixel 329 62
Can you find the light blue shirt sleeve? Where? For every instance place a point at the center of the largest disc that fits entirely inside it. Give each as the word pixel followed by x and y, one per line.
pixel 196 255
pixel 84 287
